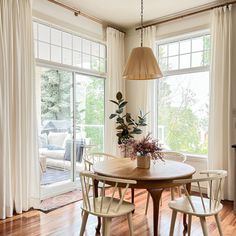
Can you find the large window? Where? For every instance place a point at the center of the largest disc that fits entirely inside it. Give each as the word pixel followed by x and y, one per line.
pixel 71 74
pixel 183 94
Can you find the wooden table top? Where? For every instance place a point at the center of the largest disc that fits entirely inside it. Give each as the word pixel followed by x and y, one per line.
pixel 127 169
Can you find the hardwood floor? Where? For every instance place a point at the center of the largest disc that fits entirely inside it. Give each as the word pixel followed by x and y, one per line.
pixel 66 221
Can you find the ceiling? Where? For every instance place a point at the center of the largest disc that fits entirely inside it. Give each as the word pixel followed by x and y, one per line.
pixel 126 13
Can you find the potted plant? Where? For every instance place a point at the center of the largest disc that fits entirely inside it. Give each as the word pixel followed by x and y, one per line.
pixel 127 126
pixel 145 150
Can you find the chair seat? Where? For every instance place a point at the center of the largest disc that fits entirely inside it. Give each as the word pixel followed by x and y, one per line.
pixel 182 205
pixel 125 208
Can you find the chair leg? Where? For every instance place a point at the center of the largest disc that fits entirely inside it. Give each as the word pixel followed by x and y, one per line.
pixel 172 192
pixel 172 225
pixel 147 203
pixel 204 226
pixel 84 221
pixel 189 224
pixel 130 221
pixel 120 192
pixel 106 226
pixel 218 224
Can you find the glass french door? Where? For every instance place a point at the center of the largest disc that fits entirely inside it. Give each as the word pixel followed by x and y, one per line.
pixel 71 116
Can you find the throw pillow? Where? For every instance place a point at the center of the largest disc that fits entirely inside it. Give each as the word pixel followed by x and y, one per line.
pixel 57 138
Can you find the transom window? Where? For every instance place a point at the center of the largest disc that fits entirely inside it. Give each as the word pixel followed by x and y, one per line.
pixel 183 93
pixel 184 54
pixel 66 48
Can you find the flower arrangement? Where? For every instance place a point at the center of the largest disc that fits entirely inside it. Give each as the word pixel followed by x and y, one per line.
pixel 145 147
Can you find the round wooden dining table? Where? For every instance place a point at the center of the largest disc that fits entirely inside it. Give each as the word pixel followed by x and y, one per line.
pixel 159 176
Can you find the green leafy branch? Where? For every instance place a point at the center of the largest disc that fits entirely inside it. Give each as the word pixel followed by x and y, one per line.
pixel 126 125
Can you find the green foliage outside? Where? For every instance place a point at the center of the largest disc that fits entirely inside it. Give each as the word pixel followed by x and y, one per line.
pixel 182 126
pixel 55 95
pixel 94 112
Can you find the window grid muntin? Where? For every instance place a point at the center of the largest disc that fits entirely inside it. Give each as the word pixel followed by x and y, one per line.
pixel 205 51
pixel 101 60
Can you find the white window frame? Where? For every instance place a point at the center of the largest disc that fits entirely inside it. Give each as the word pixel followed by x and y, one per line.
pixel 65 66
pixel 192 156
pixel 182 38
pixel 68 185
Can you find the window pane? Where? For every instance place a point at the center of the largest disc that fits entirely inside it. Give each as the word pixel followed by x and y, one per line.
pixel 163 64
pixel 44 51
pixel 173 63
pixel 207 42
pixel 67 56
pixel 197 44
pixel 162 51
pixel 95 49
pixel 90 108
pixel 184 61
pixel 56 54
pixel 35 48
pixel 183 102
pixel 102 67
pixel 35 28
pixel 102 51
pixel 77 59
pixel 86 46
pixel 86 61
pixel 44 33
pixel 76 43
pixel 197 59
pixel 55 103
pixel 173 49
pixel 56 37
pixel 206 55
pixel 185 46
pixel 95 63
pixel 66 40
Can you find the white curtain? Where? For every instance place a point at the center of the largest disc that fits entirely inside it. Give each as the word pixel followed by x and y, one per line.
pixel 114 83
pixel 220 124
pixel 19 166
pixel 149 87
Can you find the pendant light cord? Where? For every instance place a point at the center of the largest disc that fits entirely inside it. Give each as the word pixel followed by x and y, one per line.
pixel 141 23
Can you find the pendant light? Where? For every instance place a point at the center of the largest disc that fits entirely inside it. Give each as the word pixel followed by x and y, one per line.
pixel 142 64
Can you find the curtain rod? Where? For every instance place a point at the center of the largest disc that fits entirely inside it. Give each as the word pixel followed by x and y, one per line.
pixel 78 12
pixel 187 14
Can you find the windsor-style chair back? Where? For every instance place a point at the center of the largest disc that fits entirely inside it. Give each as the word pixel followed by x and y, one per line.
pixel 200 206
pixel 109 204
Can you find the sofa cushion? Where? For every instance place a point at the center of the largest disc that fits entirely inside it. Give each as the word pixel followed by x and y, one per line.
pixel 54 154
pixel 57 138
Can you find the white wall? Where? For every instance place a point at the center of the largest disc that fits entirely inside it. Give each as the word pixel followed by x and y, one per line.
pixel 49 12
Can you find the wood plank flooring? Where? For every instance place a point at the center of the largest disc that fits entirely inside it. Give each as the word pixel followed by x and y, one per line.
pixel 66 221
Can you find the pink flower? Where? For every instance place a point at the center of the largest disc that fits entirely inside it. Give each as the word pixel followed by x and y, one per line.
pixel 145 147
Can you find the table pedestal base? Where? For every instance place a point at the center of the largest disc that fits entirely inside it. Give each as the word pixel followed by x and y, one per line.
pixel 156 196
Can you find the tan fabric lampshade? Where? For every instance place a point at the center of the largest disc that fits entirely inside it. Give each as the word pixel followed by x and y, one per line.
pixel 142 65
